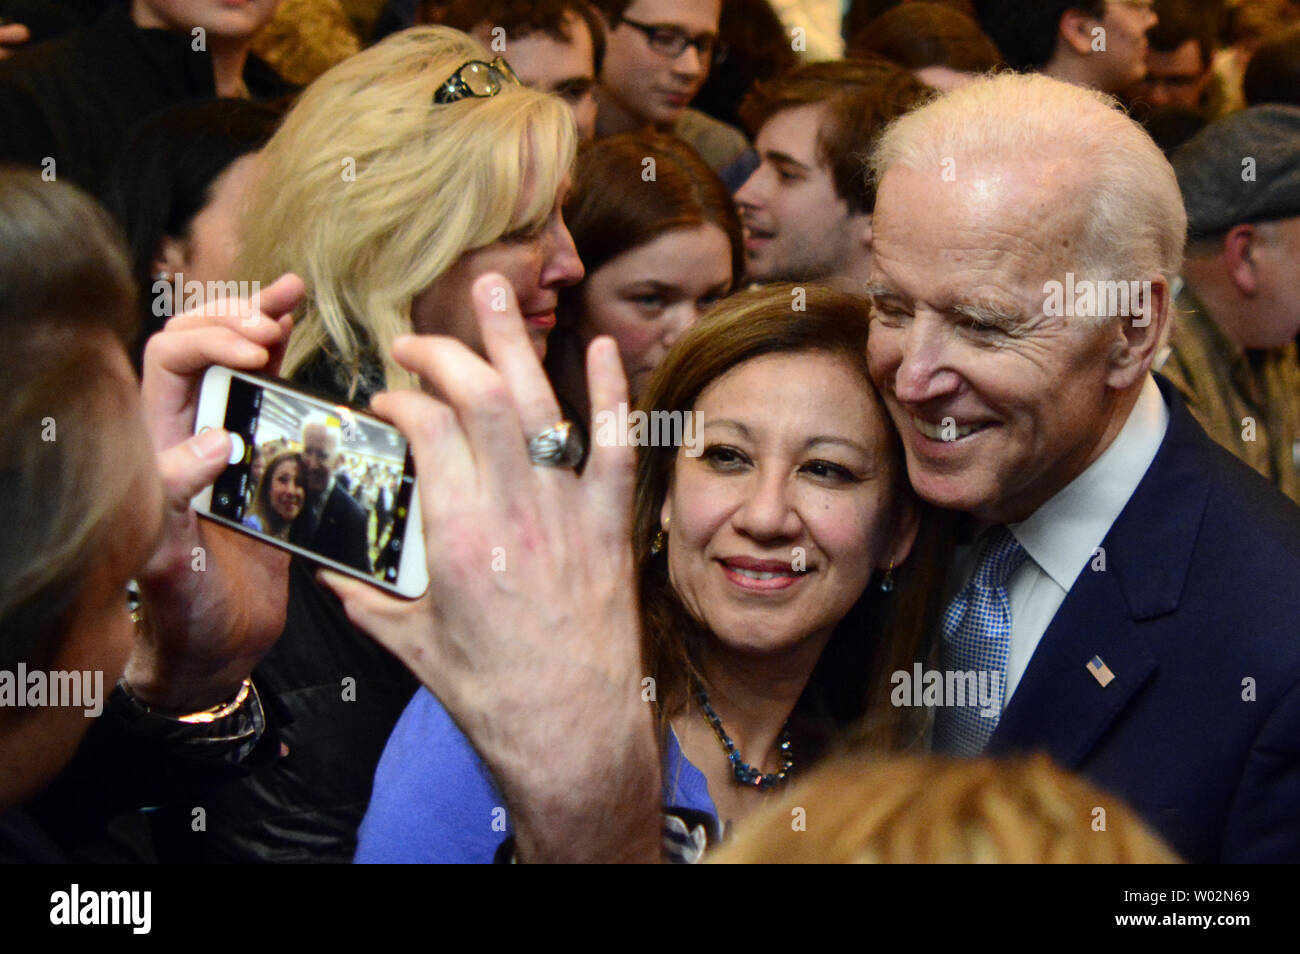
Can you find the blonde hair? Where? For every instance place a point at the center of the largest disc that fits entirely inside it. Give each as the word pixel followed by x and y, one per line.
pixel 857 809
pixel 370 191
pixel 1133 221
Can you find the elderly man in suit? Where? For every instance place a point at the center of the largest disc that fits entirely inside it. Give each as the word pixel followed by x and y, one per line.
pixel 1131 584
pixel 332 524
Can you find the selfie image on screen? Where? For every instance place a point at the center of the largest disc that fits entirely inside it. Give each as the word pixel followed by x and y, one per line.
pixel 325 480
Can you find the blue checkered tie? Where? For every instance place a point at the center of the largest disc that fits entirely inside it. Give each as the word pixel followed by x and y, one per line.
pixel 977 637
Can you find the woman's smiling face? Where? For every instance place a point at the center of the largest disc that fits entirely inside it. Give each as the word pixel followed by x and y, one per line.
pixel 776 528
pixel 287 493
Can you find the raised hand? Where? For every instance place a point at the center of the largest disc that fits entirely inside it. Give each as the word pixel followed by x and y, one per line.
pixel 529 634
pixel 215 599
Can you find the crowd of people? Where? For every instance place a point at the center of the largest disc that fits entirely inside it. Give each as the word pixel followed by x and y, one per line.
pixel 887 417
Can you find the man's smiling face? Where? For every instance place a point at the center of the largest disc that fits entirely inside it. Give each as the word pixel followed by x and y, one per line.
pixel 999 405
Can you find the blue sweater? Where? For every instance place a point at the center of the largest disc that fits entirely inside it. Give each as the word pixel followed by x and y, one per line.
pixel 434 800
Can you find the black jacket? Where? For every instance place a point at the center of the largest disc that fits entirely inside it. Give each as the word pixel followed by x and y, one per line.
pixel 342 532
pixel 339 695
pixel 73 98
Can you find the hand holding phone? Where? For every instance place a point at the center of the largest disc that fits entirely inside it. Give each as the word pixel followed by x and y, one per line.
pixel 215 601
pixel 530 634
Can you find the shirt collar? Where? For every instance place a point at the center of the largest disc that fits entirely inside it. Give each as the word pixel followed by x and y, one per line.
pixel 1063 534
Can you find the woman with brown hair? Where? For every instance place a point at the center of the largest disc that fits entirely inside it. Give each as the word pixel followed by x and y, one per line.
pixel 280 495
pixel 660 239
pixel 769 536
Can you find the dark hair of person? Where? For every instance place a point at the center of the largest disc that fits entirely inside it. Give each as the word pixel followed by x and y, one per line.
pixel 271 521
pixel 882 633
pixel 1250 21
pixel 613 208
pixel 1171 126
pixel 1183 20
pixel 164 173
pixel 756 47
pixel 1025 31
pixel 519 18
pixel 861 97
pixel 1273 74
pixel 862 12
pixel 66 300
pixel 917 35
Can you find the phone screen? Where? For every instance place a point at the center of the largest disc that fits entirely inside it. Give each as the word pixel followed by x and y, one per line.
pixel 318 476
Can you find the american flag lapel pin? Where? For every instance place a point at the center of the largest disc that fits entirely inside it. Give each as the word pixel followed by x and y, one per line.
pixel 1100 671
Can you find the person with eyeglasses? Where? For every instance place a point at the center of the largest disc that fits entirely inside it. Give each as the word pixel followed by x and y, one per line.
pixel 658 54
pixel 1101 44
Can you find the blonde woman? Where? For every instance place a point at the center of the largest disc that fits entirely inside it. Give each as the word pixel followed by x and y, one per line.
pixel 400 176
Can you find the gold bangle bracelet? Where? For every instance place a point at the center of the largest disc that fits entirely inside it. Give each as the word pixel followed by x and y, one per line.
pixel 203 716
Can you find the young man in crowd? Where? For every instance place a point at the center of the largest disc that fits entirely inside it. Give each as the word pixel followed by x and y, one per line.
pixel 553 45
pixel 1181 49
pixel 1097 43
pixel 1233 351
pixel 657 56
pixel 807 207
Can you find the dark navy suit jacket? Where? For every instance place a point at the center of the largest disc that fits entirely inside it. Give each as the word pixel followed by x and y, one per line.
pixel 341 533
pixel 1197 614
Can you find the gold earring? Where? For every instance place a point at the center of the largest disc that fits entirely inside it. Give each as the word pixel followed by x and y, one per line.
pixel 887 584
pixel 660 541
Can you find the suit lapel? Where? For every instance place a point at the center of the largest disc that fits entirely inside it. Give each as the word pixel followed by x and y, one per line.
pixel 1059 705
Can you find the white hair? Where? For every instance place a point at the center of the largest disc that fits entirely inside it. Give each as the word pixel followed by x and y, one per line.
pixel 333 430
pixel 1133 220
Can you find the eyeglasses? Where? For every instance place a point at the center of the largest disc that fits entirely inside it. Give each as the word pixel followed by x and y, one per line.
pixel 671 42
pixel 476 78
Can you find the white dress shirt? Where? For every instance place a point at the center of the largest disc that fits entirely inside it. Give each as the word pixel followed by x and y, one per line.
pixel 1062 536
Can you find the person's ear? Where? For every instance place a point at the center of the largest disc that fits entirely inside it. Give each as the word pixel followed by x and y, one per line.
pixel 172 257
pixel 1075 31
pixel 1239 247
pixel 907 522
pixel 666 512
pixel 868 236
pixel 1138 337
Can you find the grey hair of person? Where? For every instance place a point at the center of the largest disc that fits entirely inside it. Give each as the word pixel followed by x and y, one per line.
pixel 1131 221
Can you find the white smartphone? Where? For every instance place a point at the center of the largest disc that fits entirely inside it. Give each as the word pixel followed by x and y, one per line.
pixel 315 478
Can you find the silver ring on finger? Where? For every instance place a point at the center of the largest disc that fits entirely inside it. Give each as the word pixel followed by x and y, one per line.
pixel 560 445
